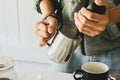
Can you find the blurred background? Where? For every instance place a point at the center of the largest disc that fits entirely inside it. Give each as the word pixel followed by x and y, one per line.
pixel 17 39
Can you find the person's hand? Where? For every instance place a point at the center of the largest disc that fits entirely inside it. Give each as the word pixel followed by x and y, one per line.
pixel 92 24
pixel 46 29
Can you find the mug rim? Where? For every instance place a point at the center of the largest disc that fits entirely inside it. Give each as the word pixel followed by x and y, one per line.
pixel 84 67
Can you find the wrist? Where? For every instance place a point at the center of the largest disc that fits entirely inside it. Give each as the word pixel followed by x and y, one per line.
pixel 50 15
pixel 114 15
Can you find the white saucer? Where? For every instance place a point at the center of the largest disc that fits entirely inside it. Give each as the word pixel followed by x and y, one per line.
pixel 111 78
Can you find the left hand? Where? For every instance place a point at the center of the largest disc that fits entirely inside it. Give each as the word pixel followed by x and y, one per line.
pixel 46 29
pixel 90 23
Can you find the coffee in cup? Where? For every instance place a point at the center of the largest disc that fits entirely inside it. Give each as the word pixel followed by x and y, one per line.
pixel 92 71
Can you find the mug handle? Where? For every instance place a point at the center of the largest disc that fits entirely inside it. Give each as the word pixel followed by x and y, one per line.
pixel 78 74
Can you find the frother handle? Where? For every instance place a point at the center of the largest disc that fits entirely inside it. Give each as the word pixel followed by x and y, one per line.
pixel 97 9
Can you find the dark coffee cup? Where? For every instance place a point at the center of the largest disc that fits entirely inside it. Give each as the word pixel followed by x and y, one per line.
pixel 92 71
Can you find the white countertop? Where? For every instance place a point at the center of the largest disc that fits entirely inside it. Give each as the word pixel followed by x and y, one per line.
pixel 27 74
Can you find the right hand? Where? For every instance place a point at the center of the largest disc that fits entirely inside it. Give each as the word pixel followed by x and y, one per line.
pixel 46 29
pixel 91 23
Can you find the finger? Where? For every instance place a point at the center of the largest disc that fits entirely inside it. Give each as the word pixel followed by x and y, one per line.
pixel 93 16
pixel 44 22
pixel 85 29
pixel 41 26
pixel 90 25
pixel 52 27
pixel 78 23
pixel 89 32
pixel 76 19
pixel 84 24
pixel 42 34
pixel 87 22
pixel 43 42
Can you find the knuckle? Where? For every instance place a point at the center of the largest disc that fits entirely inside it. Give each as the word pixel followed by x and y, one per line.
pixel 91 16
pixel 81 29
pixel 45 35
pixel 82 25
pixel 102 28
pixel 106 21
pixel 84 21
pixel 44 28
pixel 94 34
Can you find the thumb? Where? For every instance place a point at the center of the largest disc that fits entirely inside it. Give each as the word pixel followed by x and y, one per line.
pixel 50 29
pixel 102 3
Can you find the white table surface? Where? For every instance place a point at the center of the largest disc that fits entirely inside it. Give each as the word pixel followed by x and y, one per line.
pixel 27 74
